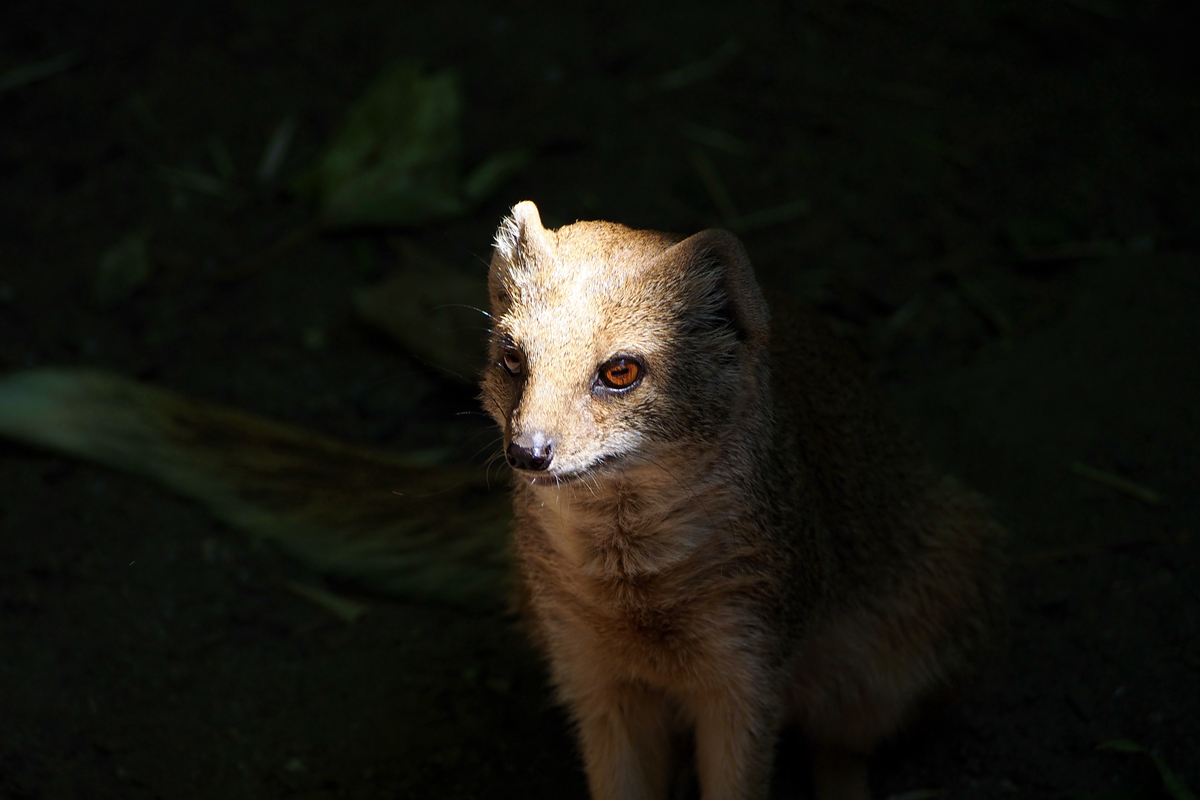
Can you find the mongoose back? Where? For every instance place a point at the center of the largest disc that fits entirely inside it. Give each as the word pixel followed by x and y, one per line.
pixel 718 529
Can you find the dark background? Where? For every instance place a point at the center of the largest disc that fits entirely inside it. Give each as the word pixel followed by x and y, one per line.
pixel 1002 214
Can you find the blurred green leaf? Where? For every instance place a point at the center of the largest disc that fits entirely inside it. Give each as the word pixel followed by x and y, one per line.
pixel 396 161
pixel 123 269
pixel 193 180
pixel 432 309
pixel 1174 786
pixel 495 171
pixel 32 73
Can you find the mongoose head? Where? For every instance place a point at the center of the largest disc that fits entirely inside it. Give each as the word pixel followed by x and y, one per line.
pixel 615 349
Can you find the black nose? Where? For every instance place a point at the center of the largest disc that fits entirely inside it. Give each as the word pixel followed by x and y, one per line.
pixel 535 458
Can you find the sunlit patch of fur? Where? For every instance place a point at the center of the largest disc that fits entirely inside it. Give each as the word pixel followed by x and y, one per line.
pixel 508 237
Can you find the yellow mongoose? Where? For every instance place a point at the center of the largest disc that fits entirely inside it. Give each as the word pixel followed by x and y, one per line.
pixel 718 529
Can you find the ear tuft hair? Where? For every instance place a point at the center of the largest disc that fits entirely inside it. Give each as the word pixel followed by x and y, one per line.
pixel 508 238
pixel 521 234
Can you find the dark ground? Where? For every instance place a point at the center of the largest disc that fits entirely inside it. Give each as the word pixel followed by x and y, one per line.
pixel 147 651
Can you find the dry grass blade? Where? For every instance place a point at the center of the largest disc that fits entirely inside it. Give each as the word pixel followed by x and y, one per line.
pixel 222 160
pixel 699 70
pixel 714 185
pixel 770 217
pixel 277 149
pixel 343 608
pixel 1144 493
pixel 193 180
pixel 32 73
pixel 717 140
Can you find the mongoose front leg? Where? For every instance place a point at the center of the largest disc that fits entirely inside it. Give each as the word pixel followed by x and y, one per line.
pixel 626 743
pixel 735 743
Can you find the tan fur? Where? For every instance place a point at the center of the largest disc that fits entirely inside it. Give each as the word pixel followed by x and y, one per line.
pixel 742 540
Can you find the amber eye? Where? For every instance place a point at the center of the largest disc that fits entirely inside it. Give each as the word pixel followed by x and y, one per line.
pixel 510 357
pixel 620 373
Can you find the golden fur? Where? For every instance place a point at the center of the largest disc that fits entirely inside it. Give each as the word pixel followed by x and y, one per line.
pixel 741 540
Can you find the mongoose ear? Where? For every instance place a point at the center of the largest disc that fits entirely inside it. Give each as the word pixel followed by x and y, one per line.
pixel 521 238
pixel 718 269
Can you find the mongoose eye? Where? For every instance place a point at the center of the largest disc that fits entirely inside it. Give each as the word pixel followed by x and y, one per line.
pixel 511 359
pixel 620 373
